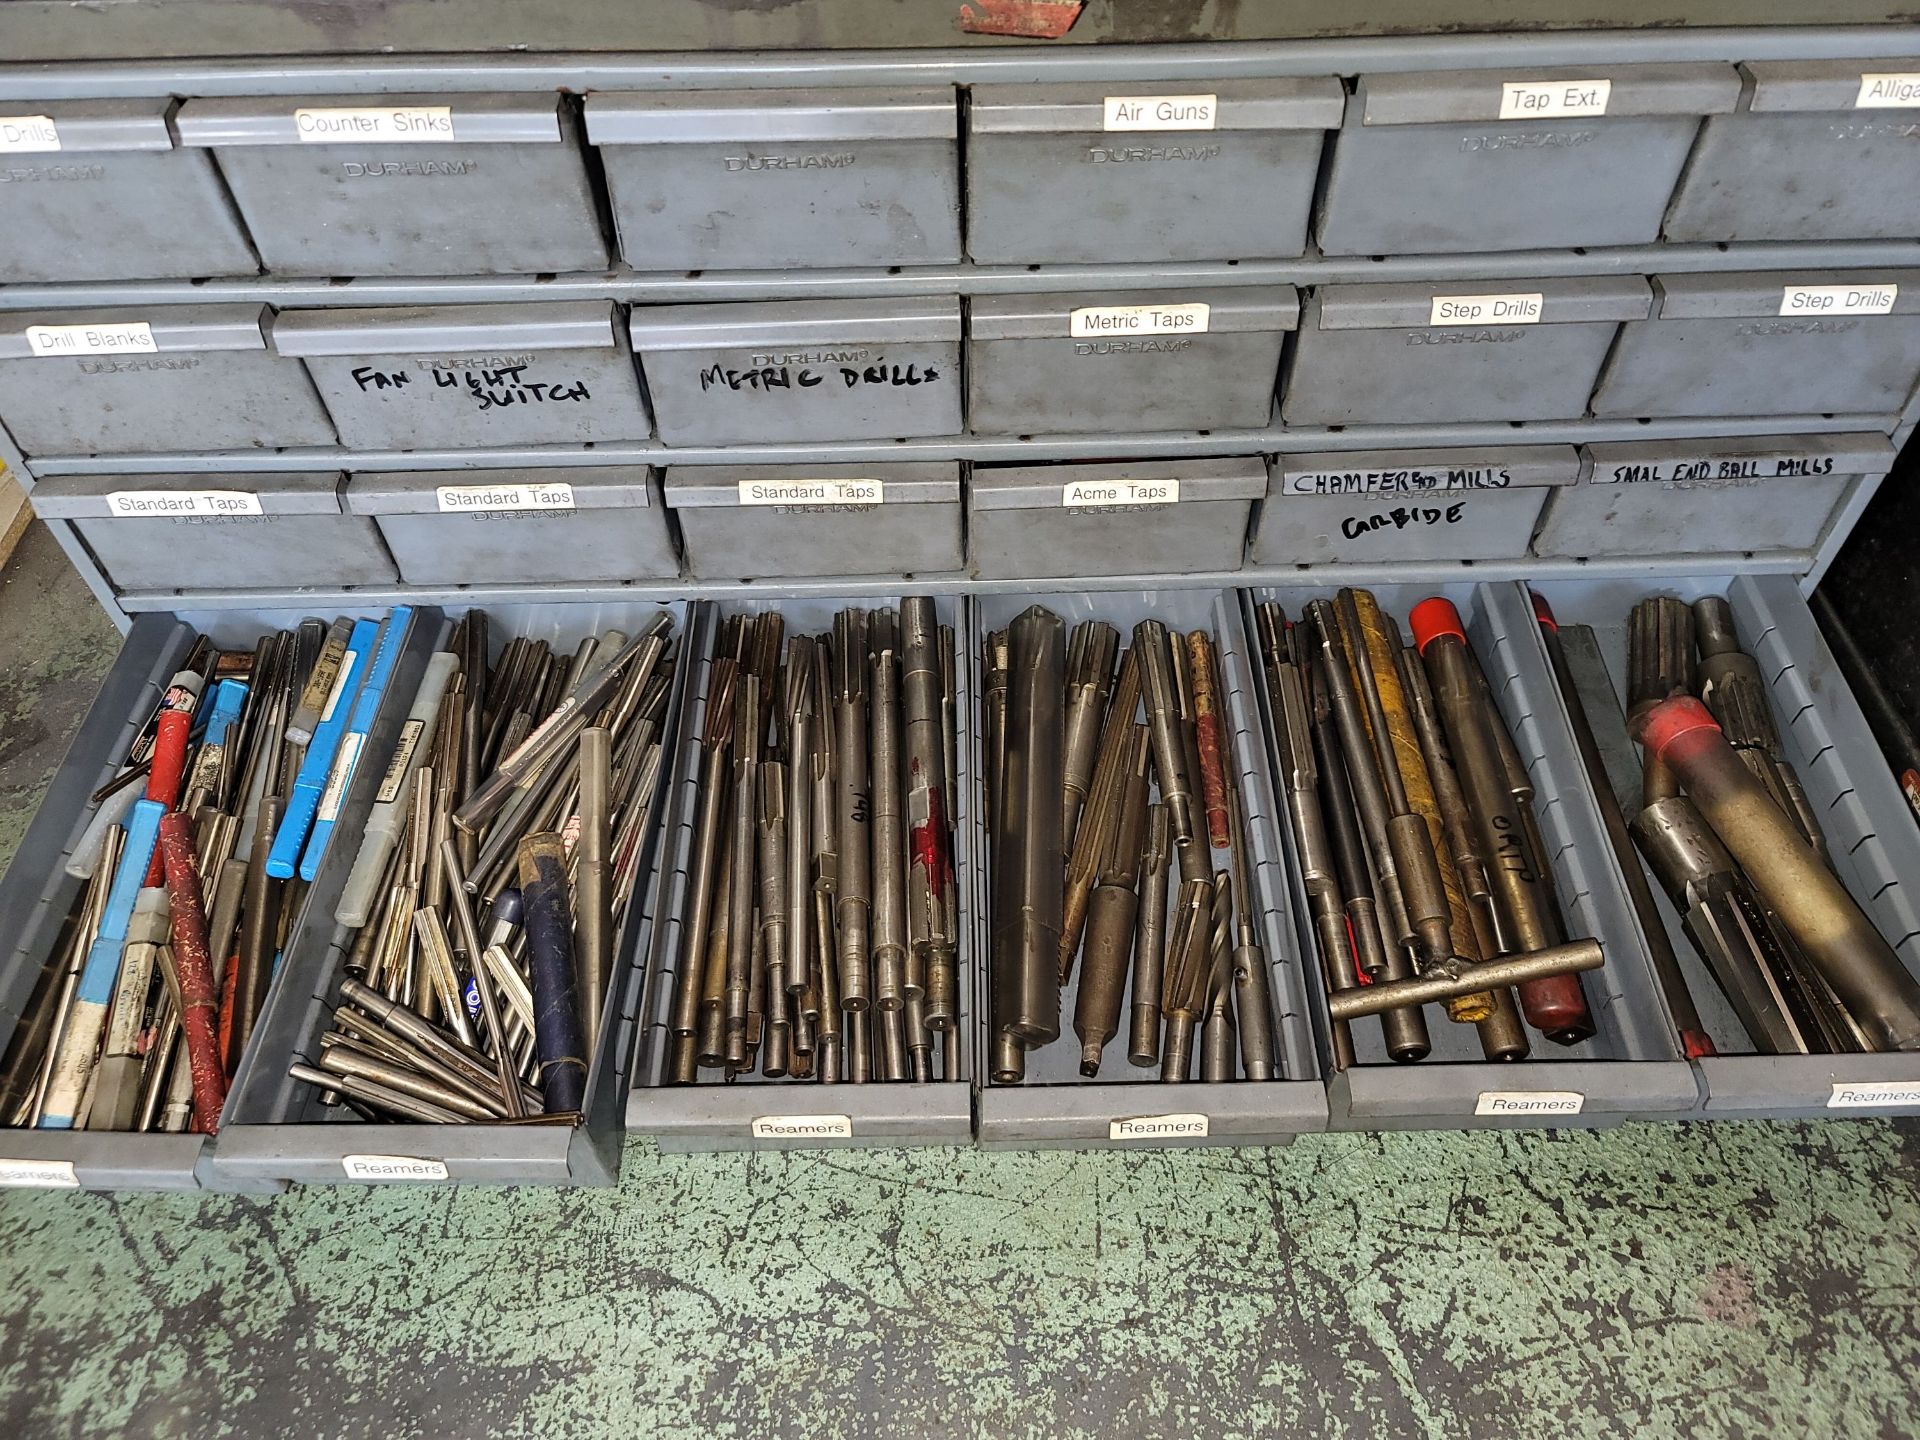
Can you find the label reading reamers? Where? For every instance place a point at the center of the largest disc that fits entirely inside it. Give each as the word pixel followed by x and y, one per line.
pixel 24 134
pixel 1877 92
pixel 1158 1127
pixel 1873 1094
pixel 1077 494
pixel 1529 1102
pixel 553 496
pixel 1518 309
pixel 56 342
pixel 803 1127
pixel 39 1174
pixel 813 492
pixel 1838 299
pixel 182 504
pixel 1185 319
pixel 405 124
pixel 1549 99
pixel 392 1167
pixel 1161 112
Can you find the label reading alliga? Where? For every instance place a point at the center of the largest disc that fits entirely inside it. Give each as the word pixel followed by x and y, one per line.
pixel 1873 1094
pixel 553 496
pixel 1838 299
pixel 1877 92
pixel 813 492
pixel 25 134
pixel 1161 112
pixel 1184 319
pixel 39 1174
pixel 1078 494
pixel 182 504
pixel 392 1167
pixel 56 342
pixel 1529 1102
pixel 1519 309
pixel 803 1127
pixel 405 124
pixel 1550 99
pixel 1158 1127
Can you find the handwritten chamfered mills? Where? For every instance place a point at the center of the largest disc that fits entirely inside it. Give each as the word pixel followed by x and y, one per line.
pixel 1107 772
pixel 1425 877
pixel 822 934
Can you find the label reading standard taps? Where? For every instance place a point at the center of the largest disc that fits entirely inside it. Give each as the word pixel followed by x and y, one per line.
pixel 812 492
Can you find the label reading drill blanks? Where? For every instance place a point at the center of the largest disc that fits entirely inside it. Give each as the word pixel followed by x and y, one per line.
pixel 1549 99
pixel 457 499
pixel 39 1174
pixel 1529 1102
pixel 392 1167
pixel 181 504
pixel 1159 1127
pixel 403 124
pixel 1838 299
pixel 1184 319
pixel 1077 494
pixel 336 792
pixel 813 492
pixel 1873 1094
pixel 1896 91
pixel 803 1127
pixel 24 134
pixel 1161 112
pixel 396 775
pixel 56 342
pixel 1518 309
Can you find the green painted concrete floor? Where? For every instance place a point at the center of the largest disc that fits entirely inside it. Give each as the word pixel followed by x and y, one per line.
pixel 1747 1280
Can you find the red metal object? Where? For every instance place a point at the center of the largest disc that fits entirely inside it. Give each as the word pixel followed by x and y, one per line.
pixel 169 768
pixel 1028 19
pixel 199 994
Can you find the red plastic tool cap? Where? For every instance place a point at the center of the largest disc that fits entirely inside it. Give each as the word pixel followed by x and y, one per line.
pixel 1542 611
pixel 1433 618
pixel 1671 719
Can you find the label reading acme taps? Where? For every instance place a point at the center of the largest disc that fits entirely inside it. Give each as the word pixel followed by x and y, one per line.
pixel 812 492
pixel 1079 494
pixel 473 499
pixel 1838 299
pixel 403 124
pixel 1183 319
pixel 1516 309
pixel 182 504
pixel 56 342
pixel 28 134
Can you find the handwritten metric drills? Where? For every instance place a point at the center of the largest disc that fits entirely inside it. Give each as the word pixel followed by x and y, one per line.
pixel 1425 874
pixel 1090 809
pixel 486 901
pixel 822 936
pixel 196 861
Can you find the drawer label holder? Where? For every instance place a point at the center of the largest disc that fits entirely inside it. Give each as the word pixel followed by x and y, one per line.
pixel 392 1167
pixel 1184 1126
pixel 802 1127
pixel 1529 1102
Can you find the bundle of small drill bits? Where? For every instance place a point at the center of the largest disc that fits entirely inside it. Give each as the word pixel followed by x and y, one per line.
pixel 485 904
pixel 822 928
pixel 1727 830
pixel 1088 809
pixel 1414 826
pixel 196 862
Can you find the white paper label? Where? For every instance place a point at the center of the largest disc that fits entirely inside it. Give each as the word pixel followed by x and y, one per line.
pixel 175 504
pixel 24 134
pixel 1519 309
pixel 339 685
pixel 555 496
pixel 1838 299
pixel 813 492
pixel 392 1167
pixel 396 775
pixel 1529 1102
pixel 1158 1127
pixel 1162 112
pixel 1078 494
pixel 343 766
pixel 1093 320
pixel 39 1174
pixel 803 1127
pixel 133 337
pixel 407 124
pixel 1874 1094
pixel 1547 99
pixel 1899 91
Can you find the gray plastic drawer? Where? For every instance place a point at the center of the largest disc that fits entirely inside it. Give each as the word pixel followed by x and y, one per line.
pixel 470 376
pixel 1631 1068
pixel 1124 518
pixel 179 378
pixel 720 1115
pixel 766 179
pixel 276 1127
pixel 1054 1106
pixel 405 184
pixel 1143 171
pixel 802 370
pixel 1779 343
pixel 1817 152
pixel 1388 505
pixel 1445 351
pixel 1671 497
pixel 1450 161
pixel 747 522
pixel 1869 828
pixel 96 190
pixel 1131 361
pixel 508 527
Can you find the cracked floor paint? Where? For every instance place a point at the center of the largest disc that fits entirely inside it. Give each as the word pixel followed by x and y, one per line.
pixel 1731 1279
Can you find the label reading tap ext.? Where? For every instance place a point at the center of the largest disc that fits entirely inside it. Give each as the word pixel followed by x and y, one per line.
pixel 1873 1094
pixel 1078 494
pixel 803 1127
pixel 1183 319
pixel 813 492
pixel 39 1174
pixel 182 504
pixel 1158 1127
pixel 1838 299
pixel 1161 112
pixel 28 134
pixel 1517 309
pixel 1529 1102
pixel 470 499
pixel 56 342
pixel 1898 91
pixel 402 124
pixel 392 1167
pixel 1551 99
